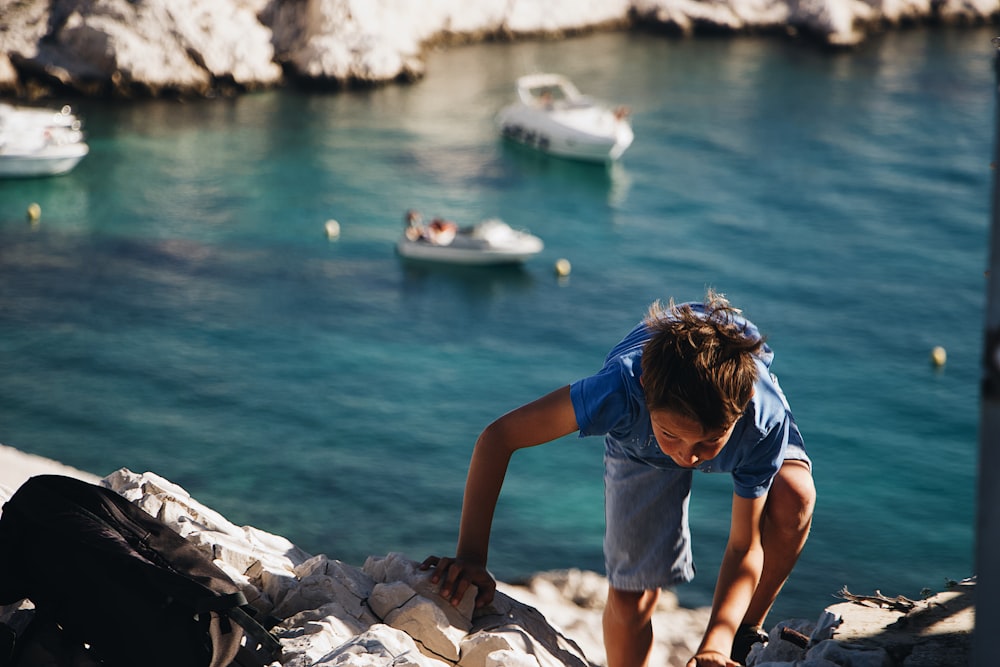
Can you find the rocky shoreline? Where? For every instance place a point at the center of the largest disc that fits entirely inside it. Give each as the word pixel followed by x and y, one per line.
pixel 337 614
pixel 177 48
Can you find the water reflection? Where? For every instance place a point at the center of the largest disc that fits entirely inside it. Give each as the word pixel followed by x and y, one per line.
pixel 608 180
pixel 60 197
pixel 473 282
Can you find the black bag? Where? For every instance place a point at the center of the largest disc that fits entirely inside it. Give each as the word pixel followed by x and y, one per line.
pixel 110 576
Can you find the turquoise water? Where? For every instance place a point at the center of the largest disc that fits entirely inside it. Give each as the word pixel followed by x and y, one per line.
pixel 180 309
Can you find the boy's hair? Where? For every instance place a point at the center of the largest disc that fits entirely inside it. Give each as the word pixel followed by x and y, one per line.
pixel 700 365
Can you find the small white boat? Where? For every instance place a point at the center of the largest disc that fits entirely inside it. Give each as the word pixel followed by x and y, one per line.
pixel 490 242
pixel 48 160
pixel 39 142
pixel 552 116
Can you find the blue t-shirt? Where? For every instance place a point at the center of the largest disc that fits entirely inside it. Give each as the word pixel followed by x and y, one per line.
pixel 612 403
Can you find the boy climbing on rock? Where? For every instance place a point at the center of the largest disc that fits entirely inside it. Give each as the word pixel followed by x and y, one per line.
pixel 687 389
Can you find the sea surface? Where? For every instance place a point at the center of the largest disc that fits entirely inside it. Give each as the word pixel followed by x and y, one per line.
pixel 179 308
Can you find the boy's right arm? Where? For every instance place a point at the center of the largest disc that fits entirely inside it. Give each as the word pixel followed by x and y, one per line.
pixel 543 420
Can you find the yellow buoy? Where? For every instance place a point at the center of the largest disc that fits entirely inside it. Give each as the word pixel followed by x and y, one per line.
pixel 332 229
pixel 563 267
pixel 34 212
pixel 939 356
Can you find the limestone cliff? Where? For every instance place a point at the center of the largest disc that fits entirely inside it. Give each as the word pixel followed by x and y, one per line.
pixel 125 48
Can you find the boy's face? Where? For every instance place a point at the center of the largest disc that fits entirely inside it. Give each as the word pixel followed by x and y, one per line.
pixel 684 440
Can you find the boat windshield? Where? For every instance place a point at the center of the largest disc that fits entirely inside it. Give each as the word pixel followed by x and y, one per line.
pixel 549 94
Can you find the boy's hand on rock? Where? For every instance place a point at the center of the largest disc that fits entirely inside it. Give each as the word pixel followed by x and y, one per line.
pixel 456 575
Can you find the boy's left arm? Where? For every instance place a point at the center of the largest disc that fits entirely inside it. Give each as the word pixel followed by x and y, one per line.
pixel 738 577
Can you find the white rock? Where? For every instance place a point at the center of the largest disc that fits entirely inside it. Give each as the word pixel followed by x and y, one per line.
pixel 421 619
pixel 228 39
pixel 380 646
pixel 572 602
pixel 192 46
pixel 561 15
pixel 396 567
pixel 510 659
pixel 476 649
pixel 314 633
pixel 387 598
pixel 316 589
pixel 525 629
pixel 826 626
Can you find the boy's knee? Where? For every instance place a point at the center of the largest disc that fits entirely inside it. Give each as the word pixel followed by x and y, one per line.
pixel 792 498
pixel 631 607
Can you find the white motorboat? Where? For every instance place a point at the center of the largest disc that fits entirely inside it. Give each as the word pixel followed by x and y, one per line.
pixel 48 160
pixel 39 142
pixel 490 242
pixel 552 116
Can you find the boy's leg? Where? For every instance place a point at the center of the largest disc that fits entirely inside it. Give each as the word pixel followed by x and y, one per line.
pixel 628 627
pixel 784 529
pixel 647 545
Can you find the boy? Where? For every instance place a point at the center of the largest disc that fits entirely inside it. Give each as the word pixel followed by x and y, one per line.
pixel 688 388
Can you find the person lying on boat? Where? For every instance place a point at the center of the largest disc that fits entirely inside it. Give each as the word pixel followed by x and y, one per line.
pixel 415 228
pixel 438 232
pixel 441 231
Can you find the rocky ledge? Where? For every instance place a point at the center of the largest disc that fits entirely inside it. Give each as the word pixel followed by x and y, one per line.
pixel 124 48
pixel 386 613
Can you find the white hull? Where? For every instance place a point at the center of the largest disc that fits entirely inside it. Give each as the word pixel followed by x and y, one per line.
pixel 469 257
pixel 567 124
pixel 50 161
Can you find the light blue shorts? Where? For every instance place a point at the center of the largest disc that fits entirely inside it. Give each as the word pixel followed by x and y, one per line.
pixel 647 540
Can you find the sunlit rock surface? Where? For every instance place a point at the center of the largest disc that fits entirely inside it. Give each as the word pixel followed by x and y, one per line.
pixel 387 612
pixel 122 48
